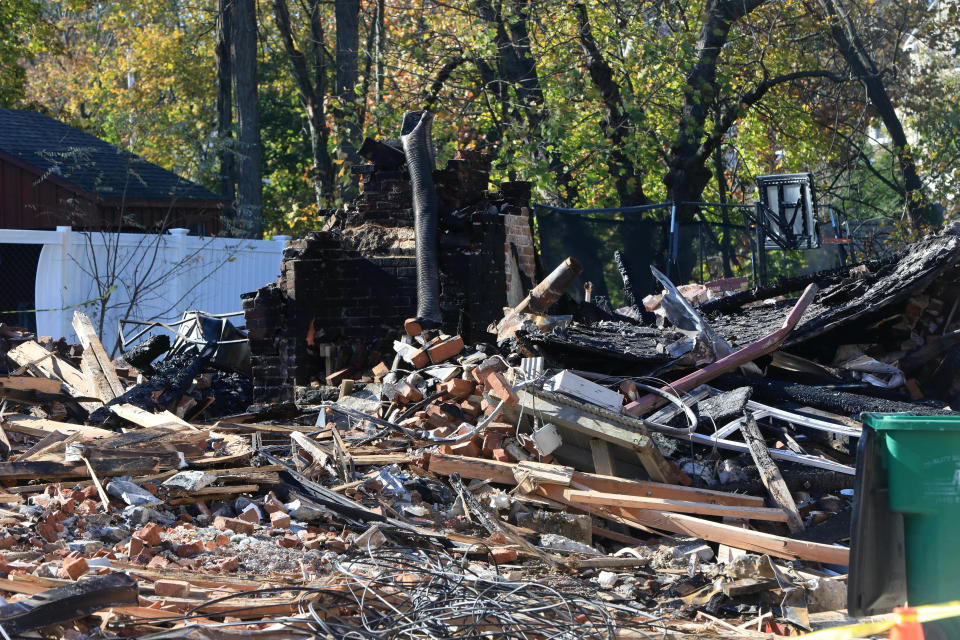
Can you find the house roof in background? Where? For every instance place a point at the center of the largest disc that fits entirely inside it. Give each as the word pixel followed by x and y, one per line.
pixel 89 163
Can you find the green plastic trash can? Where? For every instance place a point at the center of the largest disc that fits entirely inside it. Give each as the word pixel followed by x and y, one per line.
pixel 913 464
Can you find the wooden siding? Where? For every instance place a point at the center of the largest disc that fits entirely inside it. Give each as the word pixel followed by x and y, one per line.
pixel 30 200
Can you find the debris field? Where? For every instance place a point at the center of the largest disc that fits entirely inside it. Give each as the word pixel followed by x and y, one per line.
pixel 675 469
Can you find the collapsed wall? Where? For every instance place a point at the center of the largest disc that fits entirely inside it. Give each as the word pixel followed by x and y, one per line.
pixel 343 291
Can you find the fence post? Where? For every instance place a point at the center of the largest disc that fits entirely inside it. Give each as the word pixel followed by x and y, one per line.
pixel 180 254
pixel 700 247
pixel 65 240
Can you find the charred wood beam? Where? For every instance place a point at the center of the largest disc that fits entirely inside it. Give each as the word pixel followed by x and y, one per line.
pixel 146 352
pixel 839 402
pixel 69 602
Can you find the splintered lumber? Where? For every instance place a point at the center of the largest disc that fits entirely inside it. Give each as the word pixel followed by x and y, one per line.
pixel 736 359
pixel 178 496
pixel 674 506
pixel 646 519
pixel 504 473
pixel 40 427
pixel 5 447
pixel 32 357
pixel 319 454
pixel 48 441
pixel 195 578
pixel 31 396
pixel 608 562
pixel 537 473
pixel 597 422
pixel 386 458
pixel 166 458
pixel 29 383
pixel 104 500
pixel 602 461
pixel 144 418
pixel 95 377
pixel 148 440
pixel 99 368
pixel 32 354
pixel 770 472
pixel 54 470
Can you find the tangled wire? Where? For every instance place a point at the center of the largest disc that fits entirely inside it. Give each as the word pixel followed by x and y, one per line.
pixel 418 593
pixel 404 592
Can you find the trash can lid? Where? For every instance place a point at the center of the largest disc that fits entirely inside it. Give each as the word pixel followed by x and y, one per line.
pixel 911 422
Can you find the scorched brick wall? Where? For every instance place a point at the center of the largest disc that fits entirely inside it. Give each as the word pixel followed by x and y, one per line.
pixel 344 293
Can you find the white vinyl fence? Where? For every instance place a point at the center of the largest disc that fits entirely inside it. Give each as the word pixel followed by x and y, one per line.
pixel 141 276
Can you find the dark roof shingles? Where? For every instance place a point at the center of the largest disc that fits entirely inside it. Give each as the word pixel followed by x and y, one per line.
pixel 90 163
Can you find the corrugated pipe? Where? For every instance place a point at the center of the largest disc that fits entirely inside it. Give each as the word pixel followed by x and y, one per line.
pixel 416 136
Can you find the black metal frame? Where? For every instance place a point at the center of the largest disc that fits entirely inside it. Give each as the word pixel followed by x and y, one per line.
pixel 776 217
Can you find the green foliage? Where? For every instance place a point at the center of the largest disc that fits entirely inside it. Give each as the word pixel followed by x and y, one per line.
pixel 23 33
pixel 142 75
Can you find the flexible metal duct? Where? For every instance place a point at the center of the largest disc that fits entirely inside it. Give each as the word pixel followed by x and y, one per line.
pixel 416 136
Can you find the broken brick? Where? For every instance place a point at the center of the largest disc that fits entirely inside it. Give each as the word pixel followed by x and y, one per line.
pixel 379 371
pixel 230 564
pixel 233 524
pixel 336 544
pixel 289 541
pixel 150 534
pixel 469 448
pixel 171 588
pixel 135 547
pixel 470 408
pixel 499 386
pixel 503 555
pixel 272 504
pixel 491 440
pixel 279 520
pixel 47 530
pixel 435 353
pixel 190 549
pixel 250 514
pixel 459 388
pixel 73 568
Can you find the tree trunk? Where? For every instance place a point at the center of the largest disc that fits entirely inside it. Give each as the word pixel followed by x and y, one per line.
pixel 615 123
pixel 225 100
pixel 249 174
pixel 380 42
pixel 311 91
pixel 688 175
pixel 854 53
pixel 517 67
pixel 347 13
pixel 724 235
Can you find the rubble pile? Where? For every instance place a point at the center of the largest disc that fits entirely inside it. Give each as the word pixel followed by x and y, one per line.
pixel 682 470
